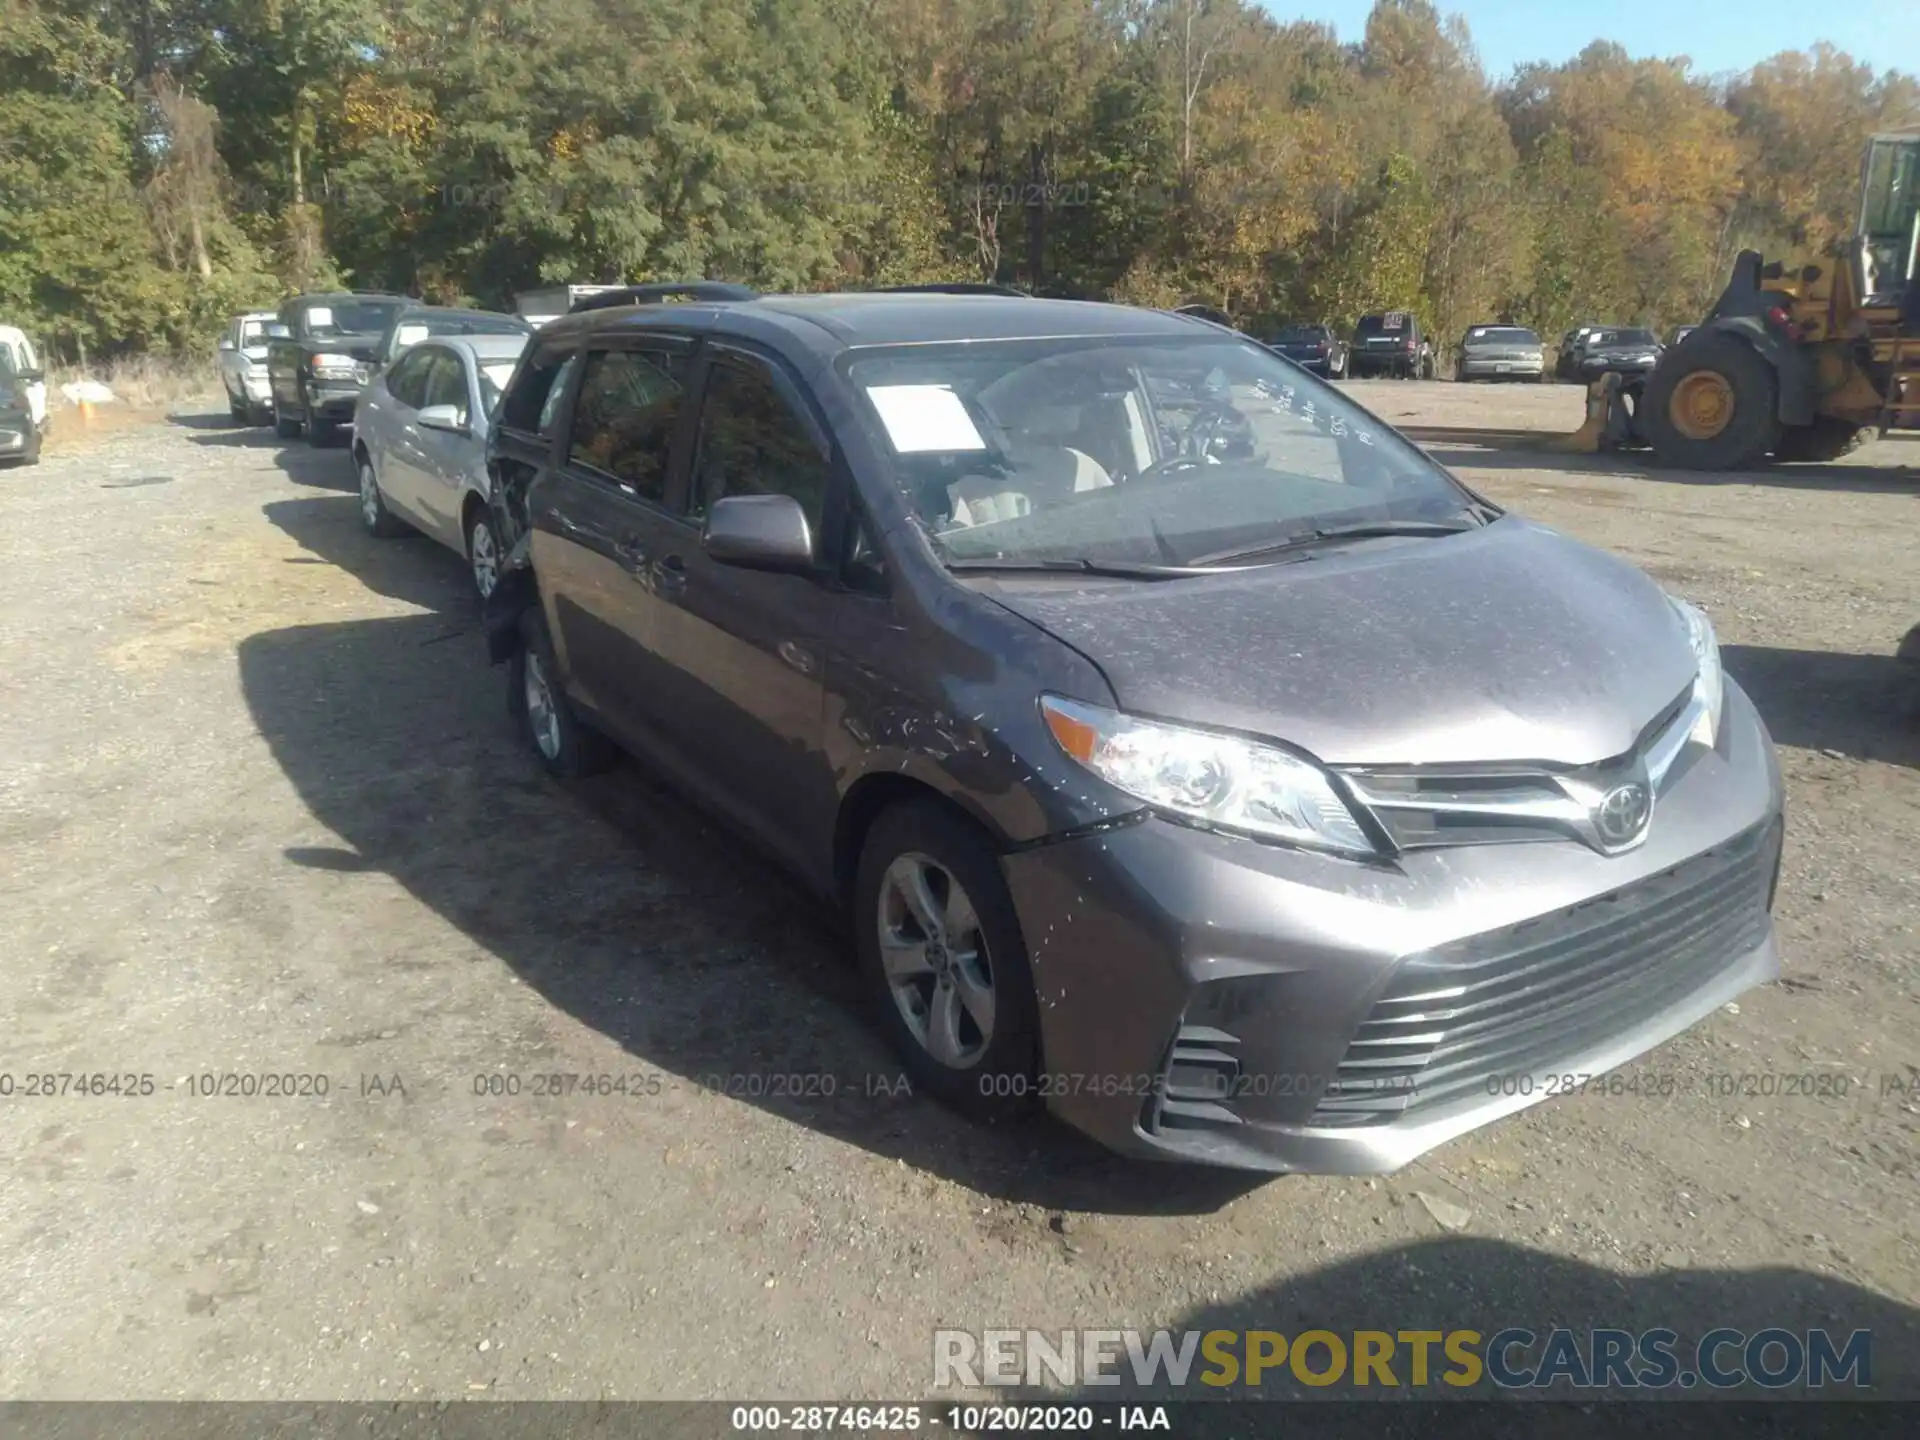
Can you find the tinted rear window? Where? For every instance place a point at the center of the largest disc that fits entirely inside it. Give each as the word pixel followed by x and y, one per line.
pixel 1501 335
pixel 1624 337
pixel 1393 322
pixel 1293 334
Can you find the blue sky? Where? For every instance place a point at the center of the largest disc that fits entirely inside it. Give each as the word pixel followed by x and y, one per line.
pixel 1717 35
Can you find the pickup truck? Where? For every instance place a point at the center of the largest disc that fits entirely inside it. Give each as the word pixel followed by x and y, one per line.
pixel 317 368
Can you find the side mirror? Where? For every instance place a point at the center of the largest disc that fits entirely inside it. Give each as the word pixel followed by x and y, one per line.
pixel 759 532
pixel 226 344
pixel 33 377
pixel 444 417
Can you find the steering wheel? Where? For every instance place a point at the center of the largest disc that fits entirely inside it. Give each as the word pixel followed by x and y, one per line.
pixel 1195 444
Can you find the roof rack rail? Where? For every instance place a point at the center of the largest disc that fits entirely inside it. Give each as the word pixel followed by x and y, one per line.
pixel 670 290
pixel 955 287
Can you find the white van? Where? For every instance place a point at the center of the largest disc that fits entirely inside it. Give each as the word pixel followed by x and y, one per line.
pixel 18 361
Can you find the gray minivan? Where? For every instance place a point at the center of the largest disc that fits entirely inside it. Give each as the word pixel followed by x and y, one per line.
pixel 1183 748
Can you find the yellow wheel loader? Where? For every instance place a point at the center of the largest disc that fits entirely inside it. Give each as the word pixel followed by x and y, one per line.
pixel 1803 363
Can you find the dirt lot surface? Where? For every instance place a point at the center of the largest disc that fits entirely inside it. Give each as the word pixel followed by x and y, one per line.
pixel 261 813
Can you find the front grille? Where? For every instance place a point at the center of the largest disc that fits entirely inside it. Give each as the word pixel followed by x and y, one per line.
pixel 1515 1001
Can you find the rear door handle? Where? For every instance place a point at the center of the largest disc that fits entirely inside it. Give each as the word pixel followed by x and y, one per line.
pixel 670 575
pixel 630 552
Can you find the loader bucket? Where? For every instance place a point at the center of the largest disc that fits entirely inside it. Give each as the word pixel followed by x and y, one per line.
pixel 1609 425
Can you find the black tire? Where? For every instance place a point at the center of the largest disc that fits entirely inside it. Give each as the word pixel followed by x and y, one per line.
pixel 1827 438
pixel 374 515
pixel 998 1084
pixel 283 427
pixel 238 410
pixel 577 749
pixel 321 433
pixel 1747 436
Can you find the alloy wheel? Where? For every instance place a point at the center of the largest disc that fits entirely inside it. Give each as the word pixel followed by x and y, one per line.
pixel 369 495
pixel 484 557
pixel 936 961
pixel 543 713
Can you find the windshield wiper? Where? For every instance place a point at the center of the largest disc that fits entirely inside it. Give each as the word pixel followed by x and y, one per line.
pixel 1079 565
pixel 1359 530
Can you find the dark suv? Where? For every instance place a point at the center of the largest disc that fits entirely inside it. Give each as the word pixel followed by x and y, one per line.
pixel 1391 342
pixel 987 616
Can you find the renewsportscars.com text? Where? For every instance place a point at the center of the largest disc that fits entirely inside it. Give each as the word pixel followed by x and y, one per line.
pixel 1511 1358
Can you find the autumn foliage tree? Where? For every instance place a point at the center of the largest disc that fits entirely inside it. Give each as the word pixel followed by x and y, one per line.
pixel 163 164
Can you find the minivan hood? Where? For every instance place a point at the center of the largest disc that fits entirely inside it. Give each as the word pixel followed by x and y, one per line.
pixel 1508 643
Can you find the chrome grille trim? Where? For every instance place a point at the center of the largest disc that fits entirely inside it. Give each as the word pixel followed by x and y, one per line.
pixel 1517 1000
pixel 1423 808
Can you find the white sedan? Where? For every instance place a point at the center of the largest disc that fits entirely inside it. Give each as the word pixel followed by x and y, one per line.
pixel 420 445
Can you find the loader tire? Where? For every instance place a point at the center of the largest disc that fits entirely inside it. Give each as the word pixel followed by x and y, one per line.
pixel 1828 438
pixel 1714 409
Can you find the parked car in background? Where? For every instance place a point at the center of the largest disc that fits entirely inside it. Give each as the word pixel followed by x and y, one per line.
pixel 242 353
pixel 417 322
pixel 1121 806
pixel 1631 353
pixel 1572 344
pixel 1313 347
pixel 1501 352
pixel 23 377
pixel 317 368
pixel 1393 343
pixel 21 434
pixel 420 445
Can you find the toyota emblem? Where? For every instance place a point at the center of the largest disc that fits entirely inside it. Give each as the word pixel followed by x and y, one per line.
pixel 1623 812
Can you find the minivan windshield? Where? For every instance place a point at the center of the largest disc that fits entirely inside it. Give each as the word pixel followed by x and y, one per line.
pixel 1623 337
pixel 1157 449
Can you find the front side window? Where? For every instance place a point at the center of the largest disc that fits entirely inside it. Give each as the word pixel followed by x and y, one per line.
pixel 624 422
pixel 752 443
pixel 1154 449
pixel 447 381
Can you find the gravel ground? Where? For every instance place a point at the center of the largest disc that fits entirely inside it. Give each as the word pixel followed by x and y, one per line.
pixel 260 812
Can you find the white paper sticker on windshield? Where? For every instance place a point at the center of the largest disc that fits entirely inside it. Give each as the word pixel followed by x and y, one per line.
pixel 319 317
pixel 922 418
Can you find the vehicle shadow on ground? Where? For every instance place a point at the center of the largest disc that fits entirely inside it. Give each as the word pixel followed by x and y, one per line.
pixel 1467 449
pixel 328 468
pixel 615 899
pixel 1485 1285
pixel 1864 706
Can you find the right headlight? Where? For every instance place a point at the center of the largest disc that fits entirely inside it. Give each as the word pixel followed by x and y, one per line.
pixel 1200 775
pixel 1709 682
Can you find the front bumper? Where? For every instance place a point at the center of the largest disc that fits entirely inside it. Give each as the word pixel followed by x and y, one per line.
pixel 1591 370
pixel 333 401
pixel 1213 999
pixel 16 434
pixel 1499 369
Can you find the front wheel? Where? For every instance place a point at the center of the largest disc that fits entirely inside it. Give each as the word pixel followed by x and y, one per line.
pixel 1714 410
pixel 944 963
